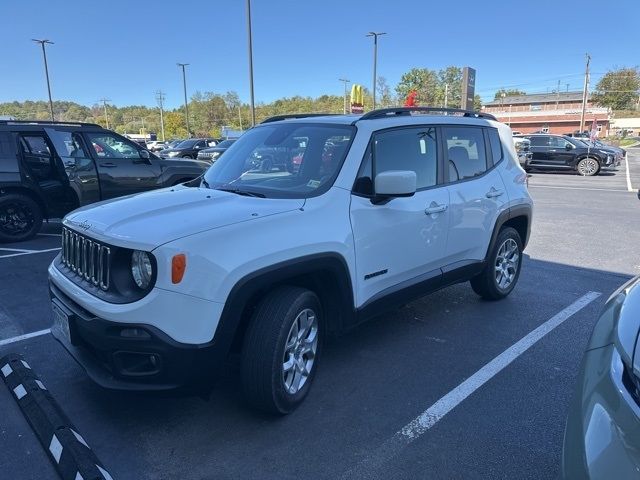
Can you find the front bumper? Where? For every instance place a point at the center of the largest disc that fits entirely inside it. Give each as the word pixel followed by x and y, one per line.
pixel 150 360
pixel 602 435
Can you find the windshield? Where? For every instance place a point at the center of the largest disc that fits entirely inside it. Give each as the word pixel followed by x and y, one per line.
pixel 579 143
pixel 285 160
pixel 187 143
pixel 225 143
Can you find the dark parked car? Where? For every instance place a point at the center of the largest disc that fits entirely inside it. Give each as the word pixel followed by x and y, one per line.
pixel 559 152
pixel 212 154
pixel 48 169
pixel 188 148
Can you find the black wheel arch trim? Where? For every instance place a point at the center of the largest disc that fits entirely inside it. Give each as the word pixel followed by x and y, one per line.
pixel 250 287
pixel 524 210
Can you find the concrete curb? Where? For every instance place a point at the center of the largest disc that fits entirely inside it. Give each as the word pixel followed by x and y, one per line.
pixel 70 454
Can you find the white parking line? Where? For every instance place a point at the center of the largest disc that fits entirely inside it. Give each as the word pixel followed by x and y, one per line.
pixel 23 250
pixel 626 162
pixel 579 188
pixel 50 234
pixel 31 252
pixel 431 416
pixel 26 336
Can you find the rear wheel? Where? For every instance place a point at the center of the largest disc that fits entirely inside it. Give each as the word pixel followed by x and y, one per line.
pixel 281 349
pixel 502 271
pixel 20 218
pixel 588 167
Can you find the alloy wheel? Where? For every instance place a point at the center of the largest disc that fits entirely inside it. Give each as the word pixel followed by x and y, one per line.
pixel 507 261
pixel 300 351
pixel 16 218
pixel 588 167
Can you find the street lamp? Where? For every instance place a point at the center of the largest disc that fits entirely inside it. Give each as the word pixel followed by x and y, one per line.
pixel 250 41
pixel 345 81
pixel 186 104
pixel 375 36
pixel 46 70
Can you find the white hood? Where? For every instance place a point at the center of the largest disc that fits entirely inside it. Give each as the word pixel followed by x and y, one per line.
pixel 148 220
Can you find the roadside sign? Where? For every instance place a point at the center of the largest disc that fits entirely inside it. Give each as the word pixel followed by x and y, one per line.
pixel 468 87
pixel 357 99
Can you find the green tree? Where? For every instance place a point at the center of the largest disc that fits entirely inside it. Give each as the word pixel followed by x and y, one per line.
pixel 618 89
pixel 511 92
pixel 424 81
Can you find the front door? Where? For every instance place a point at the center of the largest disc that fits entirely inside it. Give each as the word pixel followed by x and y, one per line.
pixel 121 167
pixel 400 242
pixel 476 190
pixel 560 153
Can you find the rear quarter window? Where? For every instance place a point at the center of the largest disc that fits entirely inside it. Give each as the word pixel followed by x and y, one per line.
pixel 496 145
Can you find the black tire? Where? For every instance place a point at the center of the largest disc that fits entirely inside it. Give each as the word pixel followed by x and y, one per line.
pixel 20 218
pixel 583 168
pixel 485 283
pixel 263 351
pixel 187 156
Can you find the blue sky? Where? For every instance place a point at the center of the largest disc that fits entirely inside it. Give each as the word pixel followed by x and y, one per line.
pixel 127 49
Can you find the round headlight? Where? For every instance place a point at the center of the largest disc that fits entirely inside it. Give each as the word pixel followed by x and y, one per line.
pixel 141 269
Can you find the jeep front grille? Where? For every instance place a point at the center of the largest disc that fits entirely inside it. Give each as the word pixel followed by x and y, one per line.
pixel 86 258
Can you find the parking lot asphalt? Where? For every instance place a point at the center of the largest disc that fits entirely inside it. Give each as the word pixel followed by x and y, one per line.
pixel 373 381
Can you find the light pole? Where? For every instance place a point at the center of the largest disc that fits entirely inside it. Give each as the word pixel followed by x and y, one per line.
pixel 186 104
pixel 345 81
pixel 253 106
pixel 375 36
pixel 46 70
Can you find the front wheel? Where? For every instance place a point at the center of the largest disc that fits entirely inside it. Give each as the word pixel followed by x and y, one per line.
pixel 187 156
pixel 501 273
pixel 20 218
pixel 588 167
pixel 281 349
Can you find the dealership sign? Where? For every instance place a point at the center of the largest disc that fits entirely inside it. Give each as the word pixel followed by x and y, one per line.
pixel 468 87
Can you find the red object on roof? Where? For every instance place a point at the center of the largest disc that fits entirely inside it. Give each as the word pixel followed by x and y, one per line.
pixel 411 99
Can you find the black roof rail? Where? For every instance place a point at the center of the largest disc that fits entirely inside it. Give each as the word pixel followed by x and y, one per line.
pixel 47 122
pixel 389 112
pixel 286 116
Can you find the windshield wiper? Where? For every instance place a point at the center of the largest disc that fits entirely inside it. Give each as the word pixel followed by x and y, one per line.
pixel 242 192
pixel 205 183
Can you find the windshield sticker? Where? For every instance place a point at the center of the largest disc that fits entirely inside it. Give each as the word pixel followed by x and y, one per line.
pixel 313 183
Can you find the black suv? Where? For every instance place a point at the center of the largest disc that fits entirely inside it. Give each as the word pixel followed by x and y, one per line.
pixel 48 169
pixel 189 148
pixel 560 152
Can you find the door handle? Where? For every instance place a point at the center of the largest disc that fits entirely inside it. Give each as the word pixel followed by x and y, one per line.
pixel 108 165
pixel 493 193
pixel 435 208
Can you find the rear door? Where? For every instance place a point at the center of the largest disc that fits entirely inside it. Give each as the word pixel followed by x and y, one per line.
pixel 476 191
pixel 78 165
pixel 539 149
pixel 121 168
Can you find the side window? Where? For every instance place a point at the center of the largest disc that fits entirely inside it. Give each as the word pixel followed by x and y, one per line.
pixel 35 145
pixel 466 154
pixel 496 145
pixel 539 141
pixel 107 145
pixel 37 155
pixel 67 144
pixel 407 149
pixel 7 154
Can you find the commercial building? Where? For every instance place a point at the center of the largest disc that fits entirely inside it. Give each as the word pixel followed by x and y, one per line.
pixel 557 112
pixel 626 126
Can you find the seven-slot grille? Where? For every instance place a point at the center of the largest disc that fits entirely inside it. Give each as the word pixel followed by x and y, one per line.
pixel 86 258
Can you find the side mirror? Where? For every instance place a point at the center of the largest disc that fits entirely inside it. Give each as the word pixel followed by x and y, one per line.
pixel 145 157
pixel 394 183
pixel 568 146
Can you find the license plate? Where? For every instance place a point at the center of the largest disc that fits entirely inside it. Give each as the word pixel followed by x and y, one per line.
pixel 61 322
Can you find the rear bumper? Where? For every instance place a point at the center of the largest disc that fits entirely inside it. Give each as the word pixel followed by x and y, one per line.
pixel 149 360
pixel 603 427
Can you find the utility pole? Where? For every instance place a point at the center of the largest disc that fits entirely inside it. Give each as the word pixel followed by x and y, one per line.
pixel 345 81
pixel 375 36
pixel 253 105
pixel 106 115
pixel 186 104
pixel 160 98
pixel 585 93
pixel 446 95
pixel 558 95
pixel 46 70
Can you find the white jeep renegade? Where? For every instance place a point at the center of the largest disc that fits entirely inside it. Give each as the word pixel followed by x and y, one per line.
pixel 307 225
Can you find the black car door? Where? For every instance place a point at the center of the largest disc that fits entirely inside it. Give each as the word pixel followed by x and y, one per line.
pixel 539 149
pixel 77 163
pixel 123 168
pixel 561 152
